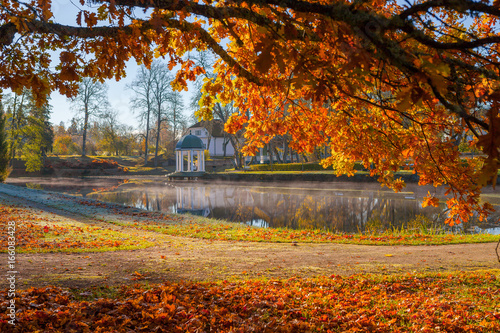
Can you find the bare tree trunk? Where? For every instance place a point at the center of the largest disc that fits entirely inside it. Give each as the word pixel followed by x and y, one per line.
pixel 237 154
pixel 270 153
pixel 85 125
pixel 225 142
pixel 276 152
pixel 175 131
pixel 13 131
pixel 209 139
pixel 285 148
pixel 147 137
pixel 157 137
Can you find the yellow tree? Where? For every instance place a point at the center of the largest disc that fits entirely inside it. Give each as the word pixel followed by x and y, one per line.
pixel 380 81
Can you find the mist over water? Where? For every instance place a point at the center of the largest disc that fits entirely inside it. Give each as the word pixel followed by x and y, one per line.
pixel 343 207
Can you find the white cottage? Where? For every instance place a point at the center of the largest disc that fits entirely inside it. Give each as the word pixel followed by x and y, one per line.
pixel 214 137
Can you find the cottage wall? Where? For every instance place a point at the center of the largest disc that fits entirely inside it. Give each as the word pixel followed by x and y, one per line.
pixel 216 147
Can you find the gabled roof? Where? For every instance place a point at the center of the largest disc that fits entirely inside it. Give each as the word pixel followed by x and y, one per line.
pixel 214 127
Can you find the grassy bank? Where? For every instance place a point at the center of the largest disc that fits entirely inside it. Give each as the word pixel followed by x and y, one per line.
pixel 218 230
pixel 38 232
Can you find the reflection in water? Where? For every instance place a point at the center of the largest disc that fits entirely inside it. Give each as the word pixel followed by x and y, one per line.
pixel 344 207
pixel 344 210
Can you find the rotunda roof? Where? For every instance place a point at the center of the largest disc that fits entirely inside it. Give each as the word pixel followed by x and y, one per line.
pixel 189 142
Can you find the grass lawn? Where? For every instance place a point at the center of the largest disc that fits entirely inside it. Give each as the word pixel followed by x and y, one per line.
pixel 130 165
pixel 219 230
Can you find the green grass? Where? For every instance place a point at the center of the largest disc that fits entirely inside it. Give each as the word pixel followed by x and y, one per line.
pixel 37 233
pixel 75 239
pixel 134 164
pixel 218 230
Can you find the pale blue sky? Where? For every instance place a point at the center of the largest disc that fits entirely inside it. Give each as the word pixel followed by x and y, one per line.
pixel 65 13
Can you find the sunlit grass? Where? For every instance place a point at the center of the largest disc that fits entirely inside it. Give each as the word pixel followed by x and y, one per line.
pixel 34 233
pixel 197 227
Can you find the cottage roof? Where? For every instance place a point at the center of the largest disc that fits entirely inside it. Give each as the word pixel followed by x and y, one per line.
pixel 215 127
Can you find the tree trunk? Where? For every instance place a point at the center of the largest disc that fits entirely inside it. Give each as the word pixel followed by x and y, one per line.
pixel 85 124
pixel 270 153
pixel 157 137
pixel 13 131
pixel 285 149
pixel 175 130
pixel 276 152
pixel 209 139
pixel 224 144
pixel 147 137
pixel 237 155
pixel 15 125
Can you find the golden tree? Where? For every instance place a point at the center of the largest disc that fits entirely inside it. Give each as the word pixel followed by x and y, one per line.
pixel 382 82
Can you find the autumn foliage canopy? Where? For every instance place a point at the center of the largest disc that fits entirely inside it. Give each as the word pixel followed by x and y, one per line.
pixel 388 83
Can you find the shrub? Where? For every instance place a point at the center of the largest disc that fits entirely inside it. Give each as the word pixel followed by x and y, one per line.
pixel 64 145
pixel 295 167
pixel 104 164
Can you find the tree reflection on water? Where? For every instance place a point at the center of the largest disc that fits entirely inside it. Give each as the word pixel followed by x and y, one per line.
pixel 343 207
pixel 340 209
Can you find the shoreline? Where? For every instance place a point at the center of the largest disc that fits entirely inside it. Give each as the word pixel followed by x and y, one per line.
pixel 304 176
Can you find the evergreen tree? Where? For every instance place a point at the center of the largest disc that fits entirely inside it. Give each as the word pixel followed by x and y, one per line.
pixel 30 132
pixel 16 109
pixel 38 135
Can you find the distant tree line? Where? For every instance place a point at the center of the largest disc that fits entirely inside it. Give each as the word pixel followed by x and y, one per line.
pixel 159 108
pixel 27 134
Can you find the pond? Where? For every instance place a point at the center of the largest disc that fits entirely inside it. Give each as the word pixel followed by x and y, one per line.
pixel 343 207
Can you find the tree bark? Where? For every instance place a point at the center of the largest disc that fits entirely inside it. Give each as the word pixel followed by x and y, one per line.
pixel 147 137
pixel 158 128
pixel 85 124
pixel 270 153
pixel 237 155
pixel 276 152
pixel 285 148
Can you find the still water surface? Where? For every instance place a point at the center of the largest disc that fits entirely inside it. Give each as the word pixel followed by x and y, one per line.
pixel 344 207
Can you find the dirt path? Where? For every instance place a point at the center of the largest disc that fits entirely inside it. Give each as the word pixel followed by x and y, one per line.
pixel 178 258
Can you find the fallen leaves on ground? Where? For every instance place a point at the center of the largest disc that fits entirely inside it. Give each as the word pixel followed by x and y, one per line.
pixel 34 233
pixel 464 302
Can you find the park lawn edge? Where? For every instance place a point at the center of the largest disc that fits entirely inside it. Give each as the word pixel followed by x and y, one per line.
pixel 212 229
pixel 37 233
